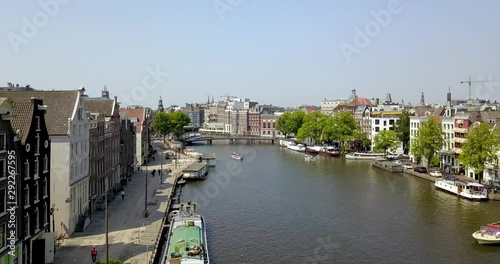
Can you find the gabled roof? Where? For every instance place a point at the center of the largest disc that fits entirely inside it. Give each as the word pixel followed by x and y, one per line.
pixel 139 113
pixel 106 106
pixel 60 106
pixel 22 115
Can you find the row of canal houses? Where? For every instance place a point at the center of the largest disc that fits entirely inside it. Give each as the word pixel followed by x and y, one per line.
pixel 69 150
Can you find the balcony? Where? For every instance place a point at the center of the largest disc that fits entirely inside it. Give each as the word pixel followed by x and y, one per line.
pixel 461 130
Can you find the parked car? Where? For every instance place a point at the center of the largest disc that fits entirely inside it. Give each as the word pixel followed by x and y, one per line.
pixel 407 166
pixel 436 174
pixel 398 162
pixel 420 169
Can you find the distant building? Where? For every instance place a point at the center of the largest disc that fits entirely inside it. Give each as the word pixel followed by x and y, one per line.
pixel 142 121
pixel 16 87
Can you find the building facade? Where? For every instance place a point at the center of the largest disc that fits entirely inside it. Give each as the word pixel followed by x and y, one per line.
pixel 34 172
pixel 254 122
pixel 127 149
pixel 10 162
pixel 97 190
pixel 141 119
pixel 68 127
pixel 383 120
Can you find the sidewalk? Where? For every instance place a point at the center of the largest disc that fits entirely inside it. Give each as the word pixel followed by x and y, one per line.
pixel 131 236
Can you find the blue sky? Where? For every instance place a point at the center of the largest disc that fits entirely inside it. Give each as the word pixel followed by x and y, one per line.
pixel 271 51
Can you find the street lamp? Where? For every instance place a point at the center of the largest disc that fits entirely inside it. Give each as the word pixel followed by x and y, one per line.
pixel 52 210
pixel 146 213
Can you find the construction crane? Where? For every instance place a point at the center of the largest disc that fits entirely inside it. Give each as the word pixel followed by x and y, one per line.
pixel 228 96
pixel 470 86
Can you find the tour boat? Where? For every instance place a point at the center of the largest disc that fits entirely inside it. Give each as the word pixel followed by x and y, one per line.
pixel 299 147
pixel 313 149
pixel 329 151
pixel 236 156
pixel 308 157
pixel 364 156
pixel 187 239
pixel 466 189
pixel 181 182
pixel 488 234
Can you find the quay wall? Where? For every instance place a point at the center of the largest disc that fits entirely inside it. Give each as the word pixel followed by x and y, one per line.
pixel 421 175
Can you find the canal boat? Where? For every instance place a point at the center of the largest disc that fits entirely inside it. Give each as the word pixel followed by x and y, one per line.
pixel 466 189
pixel 329 151
pixel 187 239
pixel 210 159
pixel 313 149
pixel 308 157
pixel 237 156
pixel 298 148
pixel 364 156
pixel 195 171
pixel 488 234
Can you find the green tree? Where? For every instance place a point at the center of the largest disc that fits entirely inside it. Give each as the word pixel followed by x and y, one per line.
pixel 340 127
pixel 282 124
pixel 312 127
pixel 403 130
pixel 296 121
pixel 385 140
pixel 359 134
pixel 481 146
pixel 162 124
pixel 179 120
pixel 428 141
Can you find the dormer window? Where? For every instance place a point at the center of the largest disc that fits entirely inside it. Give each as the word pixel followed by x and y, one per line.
pixel 38 123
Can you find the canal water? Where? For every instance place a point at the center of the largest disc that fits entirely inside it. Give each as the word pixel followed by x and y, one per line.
pixel 274 207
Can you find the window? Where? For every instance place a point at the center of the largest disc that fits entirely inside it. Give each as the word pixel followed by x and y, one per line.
pixel 38 123
pixel 36 168
pixel 44 212
pixel 45 188
pixel 27 225
pixel 3 237
pixel 3 201
pixel 74 130
pixel 45 164
pixel 37 218
pixel 377 129
pixel 37 146
pixel 27 169
pixel 37 192
pixel 377 121
pixel 3 169
pixel 3 141
pixel 26 196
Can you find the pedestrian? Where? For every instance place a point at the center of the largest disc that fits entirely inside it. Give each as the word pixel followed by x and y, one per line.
pixel 93 253
pixel 123 195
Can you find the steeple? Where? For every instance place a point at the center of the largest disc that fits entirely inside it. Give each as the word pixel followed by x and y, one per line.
pixel 105 93
pixel 160 105
pixel 422 100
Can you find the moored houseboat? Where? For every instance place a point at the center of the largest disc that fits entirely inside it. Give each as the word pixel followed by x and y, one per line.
pixel 364 156
pixel 209 158
pixel 465 189
pixel 196 171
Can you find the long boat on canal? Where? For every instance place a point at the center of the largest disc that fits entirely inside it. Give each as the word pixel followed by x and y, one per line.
pixel 465 189
pixel 187 238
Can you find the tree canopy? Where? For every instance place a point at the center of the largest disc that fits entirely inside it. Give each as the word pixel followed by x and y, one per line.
pixel 340 127
pixel 170 123
pixel 312 127
pixel 402 130
pixel 481 146
pixel 429 140
pixel 385 140
pixel 290 123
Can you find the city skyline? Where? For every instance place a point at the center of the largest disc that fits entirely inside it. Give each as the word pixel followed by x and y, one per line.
pixel 280 53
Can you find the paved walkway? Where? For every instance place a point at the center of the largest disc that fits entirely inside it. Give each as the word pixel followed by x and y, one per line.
pixel 131 236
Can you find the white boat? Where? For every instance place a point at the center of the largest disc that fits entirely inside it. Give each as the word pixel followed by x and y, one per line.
pixel 364 156
pixel 488 234
pixel 187 239
pixel 466 189
pixel 299 147
pixel 308 157
pixel 192 153
pixel 237 156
